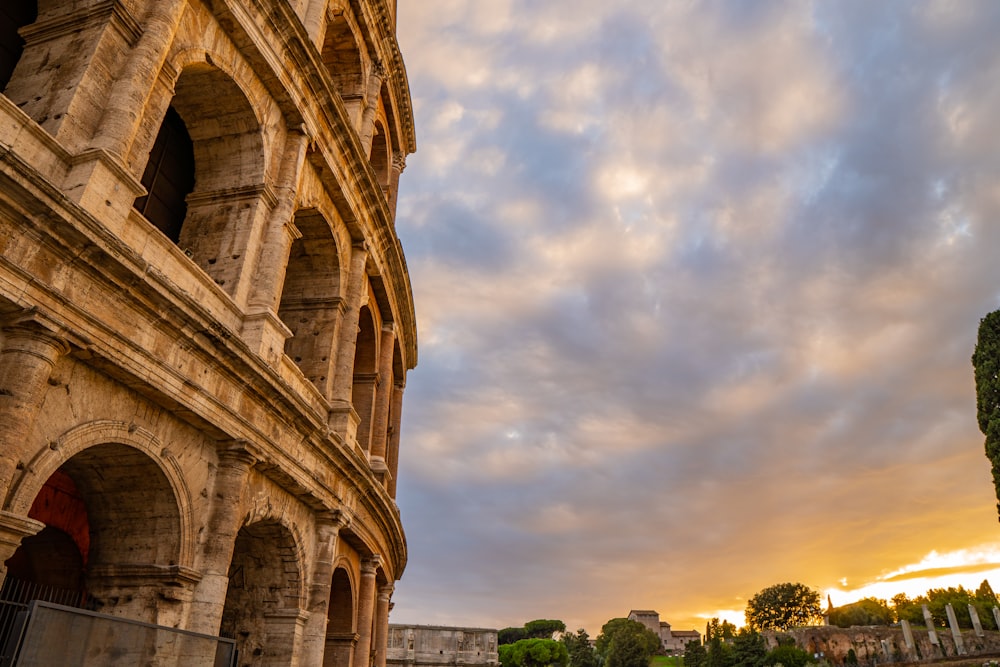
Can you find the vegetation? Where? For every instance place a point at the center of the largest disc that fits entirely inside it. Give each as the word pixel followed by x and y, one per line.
pixel 783 606
pixel 626 643
pixel 533 653
pixel 937 599
pixel 581 653
pixel 986 362
pixel 542 628
pixel 869 611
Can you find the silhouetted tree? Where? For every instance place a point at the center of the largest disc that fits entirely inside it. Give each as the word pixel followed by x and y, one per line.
pixel 783 606
pixel 986 362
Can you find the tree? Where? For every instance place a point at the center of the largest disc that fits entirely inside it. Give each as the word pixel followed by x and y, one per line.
pixel 510 635
pixel 695 655
pixel 543 628
pixel 533 653
pixel 986 362
pixel 788 655
pixel 626 643
pixel 581 653
pixel 724 630
pixel 749 648
pixel 783 606
pixel 869 611
pixel 907 609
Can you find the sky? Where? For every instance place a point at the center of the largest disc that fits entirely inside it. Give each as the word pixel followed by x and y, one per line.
pixel 697 287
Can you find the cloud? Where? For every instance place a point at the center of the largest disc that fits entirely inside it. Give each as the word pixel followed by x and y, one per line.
pixel 697 286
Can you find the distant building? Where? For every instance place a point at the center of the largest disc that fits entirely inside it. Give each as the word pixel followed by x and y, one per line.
pixel 673 641
pixel 441 646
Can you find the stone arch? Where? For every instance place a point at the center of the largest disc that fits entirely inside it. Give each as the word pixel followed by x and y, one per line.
pixel 310 299
pixel 111 509
pixel 341 55
pixel 100 432
pixel 263 608
pixel 381 156
pixel 211 110
pixel 365 375
pixel 341 619
pixel 14 15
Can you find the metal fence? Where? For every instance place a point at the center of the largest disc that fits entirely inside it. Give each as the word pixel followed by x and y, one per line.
pixel 43 634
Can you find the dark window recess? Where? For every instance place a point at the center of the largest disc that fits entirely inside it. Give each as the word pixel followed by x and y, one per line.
pixel 169 177
pixel 13 16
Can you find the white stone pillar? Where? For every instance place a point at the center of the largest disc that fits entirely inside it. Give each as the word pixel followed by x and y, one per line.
pixel 956 633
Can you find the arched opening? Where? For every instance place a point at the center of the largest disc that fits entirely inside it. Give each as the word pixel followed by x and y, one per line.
pixel 168 177
pixel 381 157
pixel 108 510
pixel 340 635
pixel 342 58
pixel 13 16
pixel 51 565
pixel 264 595
pixel 213 157
pixel 310 299
pixel 365 376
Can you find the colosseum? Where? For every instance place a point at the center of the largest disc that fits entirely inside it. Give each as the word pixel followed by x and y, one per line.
pixel 205 328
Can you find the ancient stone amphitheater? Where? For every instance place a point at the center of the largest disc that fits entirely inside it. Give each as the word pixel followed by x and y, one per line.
pixel 205 328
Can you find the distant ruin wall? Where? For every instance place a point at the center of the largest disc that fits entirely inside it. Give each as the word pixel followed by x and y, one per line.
pixel 882 644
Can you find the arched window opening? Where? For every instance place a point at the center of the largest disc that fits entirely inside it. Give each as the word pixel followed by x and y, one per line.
pixel 263 581
pixel 225 198
pixel 381 158
pixel 365 376
pixel 340 622
pixel 13 16
pixel 168 177
pixel 342 58
pixel 310 299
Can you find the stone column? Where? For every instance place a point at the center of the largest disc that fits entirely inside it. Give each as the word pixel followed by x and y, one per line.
pixel 120 123
pixel 996 616
pixel 929 622
pixel 30 352
pixel 262 329
pixel 235 462
pixel 380 419
pixel 367 130
pixel 907 635
pixel 977 625
pixel 382 624
pixel 328 527
pixel 392 450
pixel 343 419
pixel 366 604
pixel 956 633
pixel 398 165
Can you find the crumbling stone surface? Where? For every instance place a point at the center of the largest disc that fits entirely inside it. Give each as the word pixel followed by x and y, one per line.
pixel 201 378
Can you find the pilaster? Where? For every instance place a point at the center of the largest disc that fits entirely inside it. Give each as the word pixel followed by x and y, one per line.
pixel 366 610
pixel 328 527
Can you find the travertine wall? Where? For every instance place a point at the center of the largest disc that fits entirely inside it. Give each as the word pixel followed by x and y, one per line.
pixel 217 394
pixel 441 646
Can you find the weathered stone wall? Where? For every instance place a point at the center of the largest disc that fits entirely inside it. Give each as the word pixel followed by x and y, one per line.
pixel 441 646
pixel 213 381
pixel 881 644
